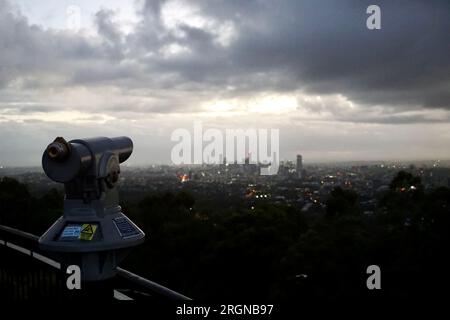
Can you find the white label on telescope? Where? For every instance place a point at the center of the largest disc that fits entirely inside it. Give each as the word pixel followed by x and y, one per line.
pixel 125 228
pixel 71 231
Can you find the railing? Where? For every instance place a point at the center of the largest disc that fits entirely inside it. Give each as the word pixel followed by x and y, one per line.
pixel 27 273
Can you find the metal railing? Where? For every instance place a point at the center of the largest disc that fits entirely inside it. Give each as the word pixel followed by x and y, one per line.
pixel 28 273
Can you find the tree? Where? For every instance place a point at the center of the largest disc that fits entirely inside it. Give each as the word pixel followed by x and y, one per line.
pixel 15 203
pixel 342 202
pixel 405 181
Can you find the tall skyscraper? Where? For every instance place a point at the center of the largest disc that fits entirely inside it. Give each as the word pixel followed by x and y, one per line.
pixel 299 167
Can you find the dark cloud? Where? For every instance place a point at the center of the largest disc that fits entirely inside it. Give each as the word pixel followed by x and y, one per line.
pixel 395 119
pixel 324 47
pixel 314 47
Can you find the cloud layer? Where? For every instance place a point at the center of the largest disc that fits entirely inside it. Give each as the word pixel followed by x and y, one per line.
pixel 289 64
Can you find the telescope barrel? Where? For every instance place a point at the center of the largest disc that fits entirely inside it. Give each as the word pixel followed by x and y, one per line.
pixel 62 161
pixel 124 147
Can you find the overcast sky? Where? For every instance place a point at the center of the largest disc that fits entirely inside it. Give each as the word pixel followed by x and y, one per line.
pixel 312 69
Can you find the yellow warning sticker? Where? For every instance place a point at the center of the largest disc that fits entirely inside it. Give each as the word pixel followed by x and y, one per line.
pixel 87 231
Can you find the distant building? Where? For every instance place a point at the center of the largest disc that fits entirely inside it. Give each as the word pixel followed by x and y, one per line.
pixel 299 167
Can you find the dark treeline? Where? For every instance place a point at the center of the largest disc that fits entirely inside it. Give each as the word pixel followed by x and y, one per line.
pixel 276 252
pixel 20 209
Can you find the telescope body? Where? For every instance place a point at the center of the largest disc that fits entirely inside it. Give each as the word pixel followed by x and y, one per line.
pixel 93 232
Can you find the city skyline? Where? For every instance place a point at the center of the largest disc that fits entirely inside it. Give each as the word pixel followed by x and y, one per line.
pixel 336 90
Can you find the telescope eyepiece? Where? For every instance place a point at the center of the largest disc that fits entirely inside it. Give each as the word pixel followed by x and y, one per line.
pixel 59 149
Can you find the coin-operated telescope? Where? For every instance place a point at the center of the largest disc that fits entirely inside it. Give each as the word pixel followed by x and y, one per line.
pixel 93 233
